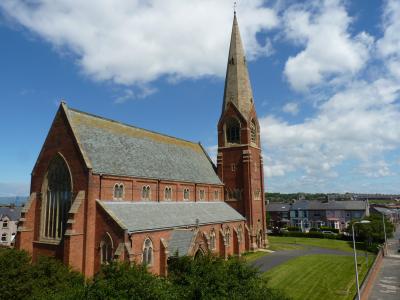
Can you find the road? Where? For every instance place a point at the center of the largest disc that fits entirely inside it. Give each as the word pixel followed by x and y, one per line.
pixel 387 282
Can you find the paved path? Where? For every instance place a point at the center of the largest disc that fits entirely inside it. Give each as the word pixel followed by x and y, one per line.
pixel 387 282
pixel 269 261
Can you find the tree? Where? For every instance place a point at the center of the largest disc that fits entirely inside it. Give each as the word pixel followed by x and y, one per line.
pixel 210 277
pixel 372 232
pixel 123 281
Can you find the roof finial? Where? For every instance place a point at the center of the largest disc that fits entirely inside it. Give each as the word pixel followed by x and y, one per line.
pixel 234 7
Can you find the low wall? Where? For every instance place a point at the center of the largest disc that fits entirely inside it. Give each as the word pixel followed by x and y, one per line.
pixel 369 280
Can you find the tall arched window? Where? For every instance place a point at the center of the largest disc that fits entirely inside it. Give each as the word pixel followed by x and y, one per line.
pixel 240 233
pixel 216 195
pixel 212 239
pixel 146 192
pixel 118 191
pixel 167 193
pixel 202 194
pixel 57 198
pixel 147 252
pixel 253 132
pixel 106 249
pixel 227 233
pixel 232 130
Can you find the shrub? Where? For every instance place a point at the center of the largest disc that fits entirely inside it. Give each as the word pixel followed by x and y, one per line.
pixel 293 228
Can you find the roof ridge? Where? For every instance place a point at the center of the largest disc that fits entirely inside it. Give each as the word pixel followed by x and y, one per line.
pixel 130 125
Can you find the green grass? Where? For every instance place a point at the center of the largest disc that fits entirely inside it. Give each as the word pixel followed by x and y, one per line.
pixel 323 243
pixel 317 277
pixel 283 246
pixel 252 256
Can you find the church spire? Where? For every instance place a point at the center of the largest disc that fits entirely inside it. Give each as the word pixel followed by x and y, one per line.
pixel 237 83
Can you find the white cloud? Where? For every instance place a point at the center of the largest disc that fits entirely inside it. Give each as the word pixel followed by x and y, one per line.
pixel 389 45
pixel 359 123
pixel 375 169
pixel 322 28
pixel 134 42
pixel 291 108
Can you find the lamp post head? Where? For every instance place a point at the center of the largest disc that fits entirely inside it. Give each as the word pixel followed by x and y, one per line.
pixel 365 222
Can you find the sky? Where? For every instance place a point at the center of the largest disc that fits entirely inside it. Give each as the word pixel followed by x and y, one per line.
pixel 325 76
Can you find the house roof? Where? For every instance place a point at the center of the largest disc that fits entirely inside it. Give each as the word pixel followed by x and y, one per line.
pixel 278 206
pixel 13 213
pixel 181 241
pixel 330 205
pixel 152 216
pixel 113 148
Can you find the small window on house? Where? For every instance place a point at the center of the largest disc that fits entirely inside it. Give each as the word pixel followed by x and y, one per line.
pixel 201 195
pixel 146 192
pixel 186 194
pixel 147 252
pixel 212 239
pixel 167 193
pixel 232 131
pixel 4 237
pixel 216 195
pixel 118 191
pixel 5 223
pixel 106 249
pixel 253 132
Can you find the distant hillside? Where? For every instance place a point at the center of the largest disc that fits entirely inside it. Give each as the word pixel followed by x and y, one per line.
pixel 17 200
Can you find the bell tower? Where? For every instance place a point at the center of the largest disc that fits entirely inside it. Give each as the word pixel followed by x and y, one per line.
pixel 239 160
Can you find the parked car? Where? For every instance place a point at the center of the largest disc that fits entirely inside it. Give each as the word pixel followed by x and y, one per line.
pixel 328 232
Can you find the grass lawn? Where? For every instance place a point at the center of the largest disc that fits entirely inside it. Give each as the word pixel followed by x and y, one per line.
pixel 323 243
pixel 318 276
pixel 276 246
pixel 252 256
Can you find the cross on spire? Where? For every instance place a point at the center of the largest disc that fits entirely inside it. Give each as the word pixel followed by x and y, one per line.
pixel 234 7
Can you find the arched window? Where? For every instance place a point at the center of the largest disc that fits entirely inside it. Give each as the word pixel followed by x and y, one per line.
pixel 216 195
pixel 106 249
pixel 240 234
pixel 212 239
pixel 186 194
pixel 4 237
pixel 146 192
pixel 232 129
pixel 147 252
pixel 57 198
pixel 227 233
pixel 118 191
pixel 202 195
pixel 167 193
pixel 253 132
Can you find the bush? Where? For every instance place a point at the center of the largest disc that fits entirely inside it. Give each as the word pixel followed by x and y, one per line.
pixel 327 228
pixel 293 228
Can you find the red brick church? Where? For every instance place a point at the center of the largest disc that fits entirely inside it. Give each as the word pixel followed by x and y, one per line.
pixel 102 190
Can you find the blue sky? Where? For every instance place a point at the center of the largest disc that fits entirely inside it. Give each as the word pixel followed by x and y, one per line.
pixel 325 77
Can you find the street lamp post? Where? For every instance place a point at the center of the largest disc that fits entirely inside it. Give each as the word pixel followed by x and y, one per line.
pixel 384 230
pixel 355 255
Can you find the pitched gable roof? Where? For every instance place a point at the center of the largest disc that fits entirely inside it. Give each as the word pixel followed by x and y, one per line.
pixel 152 216
pixel 113 148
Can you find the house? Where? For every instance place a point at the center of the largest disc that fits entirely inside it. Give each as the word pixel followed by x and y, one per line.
pixel 102 190
pixel 9 217
pixel 278 213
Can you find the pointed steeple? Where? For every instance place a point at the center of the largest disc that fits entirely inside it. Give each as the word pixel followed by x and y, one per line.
pixel 237 82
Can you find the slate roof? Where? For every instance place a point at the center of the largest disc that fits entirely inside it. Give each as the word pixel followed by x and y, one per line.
pixel 330 205
pixel 180 241
pixel 152 216
pixel 113 148
pixel 13 213
pixel 278 206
